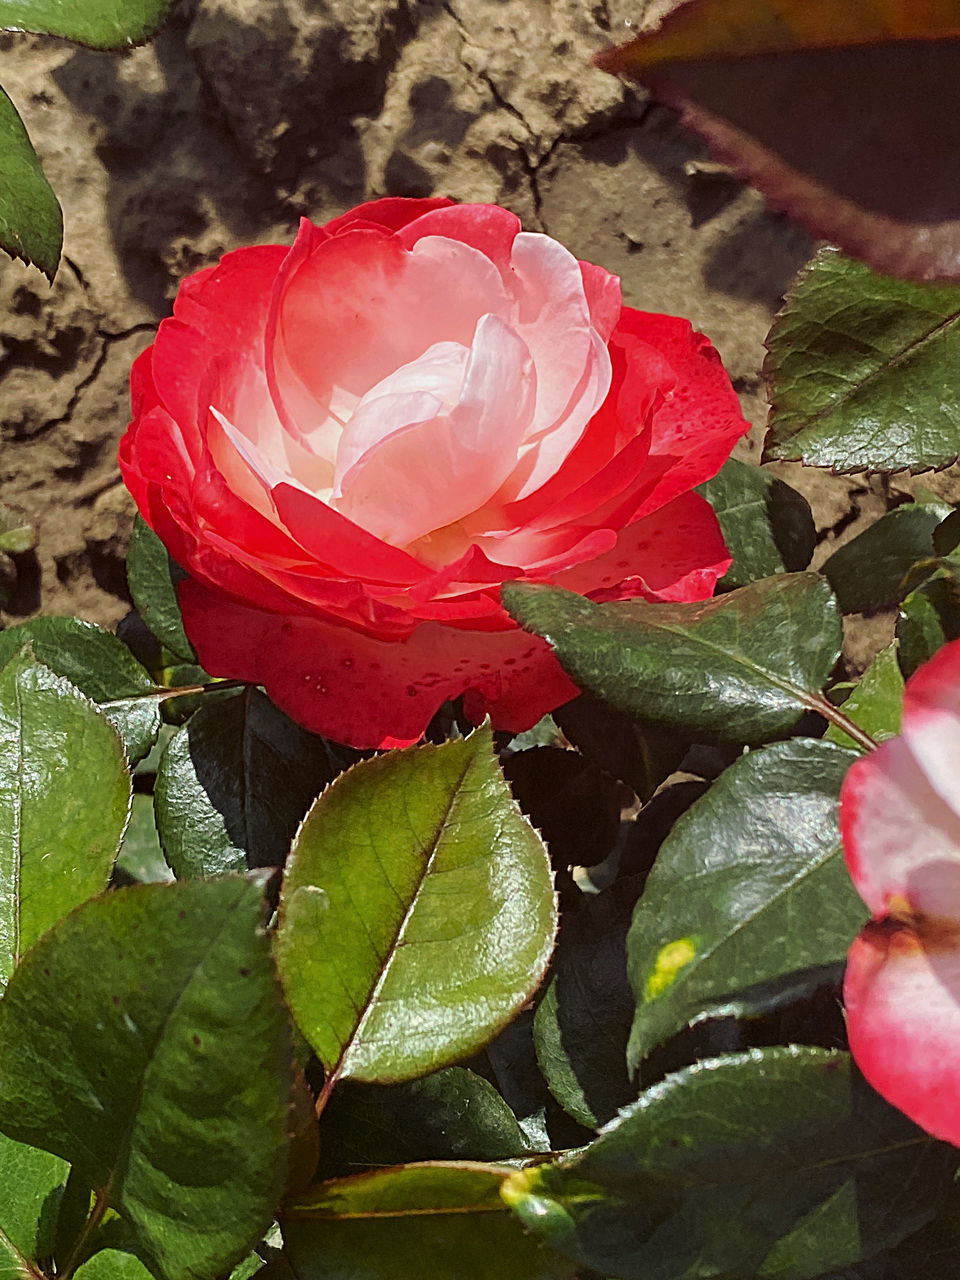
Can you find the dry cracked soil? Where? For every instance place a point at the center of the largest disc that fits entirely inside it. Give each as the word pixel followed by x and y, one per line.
pixel 244 115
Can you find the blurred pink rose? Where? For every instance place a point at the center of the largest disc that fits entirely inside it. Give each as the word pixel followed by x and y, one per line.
pixel 350 444
pixel 900 822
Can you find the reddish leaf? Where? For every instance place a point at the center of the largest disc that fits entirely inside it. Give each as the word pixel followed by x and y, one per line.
pixel 846 116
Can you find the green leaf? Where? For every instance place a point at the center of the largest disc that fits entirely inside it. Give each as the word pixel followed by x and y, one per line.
pixel 582 1024
pixel 417 914
pixel 740 896
pixel 767 526
pixel 16 534
pixel 141 857
pixel 929 619
pixel 64 803
pixel 864 371
pixel 876 702
pixel 32 1183
pixel 451 1115
pixel 775 1163
pixel 640 755
pixel 870 572
pixel 152 576
pixel 442 1220
pixel 113 1264
pixel 100 24
pixel 740 668
pixel 144 1040
pixel 234 784
pixel 31 224
pixel 100 666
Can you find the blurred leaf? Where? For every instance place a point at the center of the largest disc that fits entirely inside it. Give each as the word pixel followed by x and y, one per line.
pixel 863 370
pixel 100 24
pixel 152 577
pixel 141 857
pixel 234 784
pixel 767 526
pixel 143 1039
pixel 32 1183
pixel 64 803
pixel 16 534
pixel 740 668
pixel 641 755
pixel 31 224
pixel 112 1264
pixel 100 666
pixel 742 897
pixel 574 805
pixel 417 914
pixel 876 702
pixel 775 1163
pixel 775 86
pixel 451 1115
pixel 444 1220
pixel 870 572
pixel 582 1024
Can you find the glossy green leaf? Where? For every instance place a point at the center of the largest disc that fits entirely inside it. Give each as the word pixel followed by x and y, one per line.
pixel 748 889
pixel 417 914
pixel 152 577
pixel 113 1264
pixel 234 783
pixel 442 1220
pixel 31 1188
pixel 31 224
pixel 929 618
pixel 775 1163
pixel 451 1115
pixel 100 666
pixel 582 1024
pixel 144 1040
pixel 767 526
pixel 101 24
pixel 864 371
pixel 875 704
pixel 64 803
pixel 871 571
pixel 641 755
pixel 141 857
pixel 740 668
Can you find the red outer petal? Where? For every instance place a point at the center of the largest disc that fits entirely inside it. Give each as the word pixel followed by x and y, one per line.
pixel 367 692
pixel 902 1000
pixel 678 553
pixel 393 212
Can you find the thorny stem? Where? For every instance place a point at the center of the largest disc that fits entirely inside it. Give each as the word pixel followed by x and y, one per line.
pixel 78 1253
pixel 163 695
pixel 829 712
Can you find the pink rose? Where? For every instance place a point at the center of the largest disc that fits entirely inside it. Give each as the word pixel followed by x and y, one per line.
pixel 900 822
pixel 350 444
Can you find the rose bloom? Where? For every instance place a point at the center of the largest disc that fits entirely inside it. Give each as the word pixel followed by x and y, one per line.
pixel 351 443
pixel 900 822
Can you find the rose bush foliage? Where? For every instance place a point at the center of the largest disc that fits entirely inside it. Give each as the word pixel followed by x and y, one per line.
pixel 350 444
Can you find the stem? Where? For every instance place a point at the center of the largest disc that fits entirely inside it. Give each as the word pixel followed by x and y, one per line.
pixel 324 1095
pixel 163 695
pixel 78 1253
pixel 829 712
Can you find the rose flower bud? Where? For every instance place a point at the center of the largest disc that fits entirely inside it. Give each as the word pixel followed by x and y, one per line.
pixel 900 823
pixel 349 445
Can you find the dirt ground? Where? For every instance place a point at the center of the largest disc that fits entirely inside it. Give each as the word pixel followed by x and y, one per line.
pixel 245 115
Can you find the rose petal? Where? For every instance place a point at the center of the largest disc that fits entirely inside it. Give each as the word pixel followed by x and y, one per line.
pixel 678 553
pixel 902 999
pixel 485 227
pixel 392 212
pixel 901 841
pixel 931 721
pixel 367 692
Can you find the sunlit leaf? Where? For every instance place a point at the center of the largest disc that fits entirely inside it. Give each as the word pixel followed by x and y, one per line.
pixel 101 24
pixel 417 913
pixel 876 702
pixel 31 224
pixel 64 803
pixel 152 577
